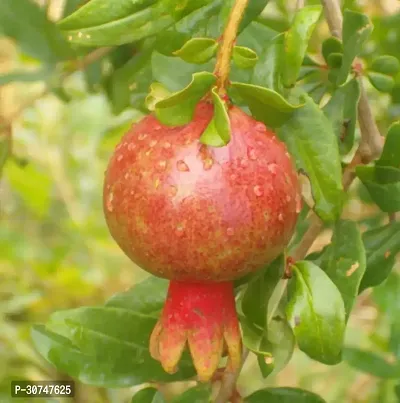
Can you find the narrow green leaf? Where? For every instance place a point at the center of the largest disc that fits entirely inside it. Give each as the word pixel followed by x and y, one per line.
pixel 26 22
pixel 381 245
pixel 197 394
pixel 283 395
pixel 312 142
pixel 157 93
pixel 357 28
pixel 218 131
pixel 381 82
pixel 371 363
pixel 296 42
pixel 259 290
pixel 5 148
pixel 178 109
pixel 94 344
pixel 244 58
pixel 394 341
pixel 273 345
pixel 344 261
pixel 331 45
pixel 341 110
pixel 197 50
pixel 383 185
pixel 317 314
pixel 134 27
pixel 397 391
pixel 267 71
pixel 388 65
pixel 391 150
pixel 24 76
pixel 98 12
pixel 148 395
pixel 265 104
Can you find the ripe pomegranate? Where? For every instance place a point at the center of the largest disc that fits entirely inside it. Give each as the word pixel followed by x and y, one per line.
pixel 201 217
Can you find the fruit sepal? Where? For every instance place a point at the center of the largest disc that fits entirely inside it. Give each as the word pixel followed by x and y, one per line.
pixel 203 315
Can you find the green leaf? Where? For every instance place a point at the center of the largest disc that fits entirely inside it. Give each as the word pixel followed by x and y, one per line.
pixel 197 50
pixel 197 394
pixel 32 185
pixel 157 93
pixel 383 185
pixel 108 345
pixel 178 109
pixel 134 27
pixel 388 65
pixel 387 296
pixel 335 61
pixel 99 12
pixel 311 140
pixel 296 42
pixel 344 261
pixel 38 37
pixel 397 391
pixel 148 395
pixel 5 148
pixel 381 245
pixel 274 345
pixel 391 150
pixel 24 76
pixel 357 28
pixel 371 363
pixel 341 110
pixel 381 82
pixel 394 341
pixel 316 311
pixel 244 58
pixel 283 395
pixel 259 290
pixel 331 45
pixel 265 104
pixel 267 72
pixel 218 131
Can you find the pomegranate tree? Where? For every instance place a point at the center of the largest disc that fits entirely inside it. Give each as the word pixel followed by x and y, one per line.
pixel 201 217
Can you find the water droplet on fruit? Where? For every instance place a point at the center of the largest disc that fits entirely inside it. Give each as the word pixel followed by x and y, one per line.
pixel 230 231
pixel 208 163
pixel 179 230
pixel 167 145
pixel 260 127
pixel 153 143
pixel 120 157
pixel 172 191
pixel 251 152
pixel 131 146
pixel 272 168
pixel 258 190
pixel 126 176
pixel 148 152
pixel 280 217
pixel 288 198
pixel 298 204
pixel 162 164
pixel 110 206
pixel 182 166
pixel 142 136
pixel 157 183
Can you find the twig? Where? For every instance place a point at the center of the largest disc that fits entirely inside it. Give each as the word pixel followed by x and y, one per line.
pixel 223 64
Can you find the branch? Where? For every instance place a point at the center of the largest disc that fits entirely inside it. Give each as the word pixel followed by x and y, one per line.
pixel 223 64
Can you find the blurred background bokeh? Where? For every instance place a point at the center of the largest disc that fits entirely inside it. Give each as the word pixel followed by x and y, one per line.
pixel 55 249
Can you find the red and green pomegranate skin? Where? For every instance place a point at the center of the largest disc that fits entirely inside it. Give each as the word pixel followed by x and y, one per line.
pixel 201 217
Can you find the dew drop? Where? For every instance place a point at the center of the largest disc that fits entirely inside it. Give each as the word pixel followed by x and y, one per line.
pixel 142 136
pixel 230 231
pixel 167 145
pixel 157 183
pixel 260 127
pixel 120 157
pixel 162 164
pixel 280 217
pixel 182 166
pixel 126 176
pixel 110 199
pixel 153 143
pixel 179 230
pixel 272 168
pixel 252 154
pixel 208 163
pixel 258 190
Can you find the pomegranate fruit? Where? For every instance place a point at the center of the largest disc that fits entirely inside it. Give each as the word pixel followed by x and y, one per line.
pixel 201 217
